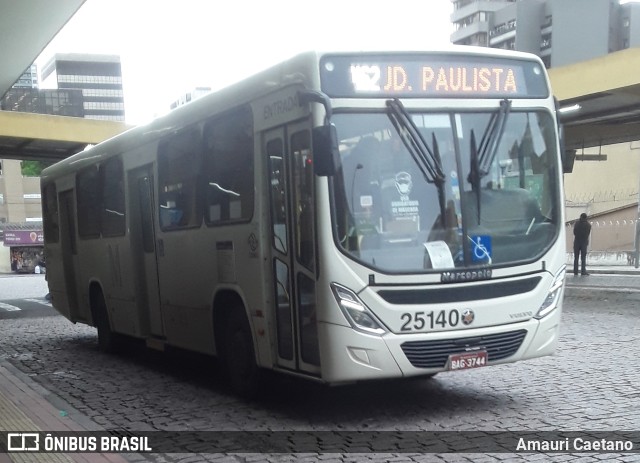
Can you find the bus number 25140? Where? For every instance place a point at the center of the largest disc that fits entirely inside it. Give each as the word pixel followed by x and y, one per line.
pixel 418 321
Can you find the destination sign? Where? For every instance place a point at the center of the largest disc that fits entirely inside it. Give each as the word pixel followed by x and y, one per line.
pixel 434 75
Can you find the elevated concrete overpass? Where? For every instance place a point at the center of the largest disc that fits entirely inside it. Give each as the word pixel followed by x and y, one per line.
pixel 605 96
pixel 52 138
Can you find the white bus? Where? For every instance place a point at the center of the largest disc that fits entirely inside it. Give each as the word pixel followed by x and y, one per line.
pixel 340 216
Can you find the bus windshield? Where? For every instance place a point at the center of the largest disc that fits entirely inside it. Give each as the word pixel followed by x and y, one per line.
pixel 446 190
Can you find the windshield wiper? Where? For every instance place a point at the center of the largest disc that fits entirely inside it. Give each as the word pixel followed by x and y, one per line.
pixel 492 136
pixel 482 156
pixel 474 173
pixel 427 159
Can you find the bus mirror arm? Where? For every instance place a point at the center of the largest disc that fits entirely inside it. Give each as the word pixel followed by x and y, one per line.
pixel 309 96
pixel 326 154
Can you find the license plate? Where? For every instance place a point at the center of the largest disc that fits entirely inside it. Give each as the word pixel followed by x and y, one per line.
pixel 466 360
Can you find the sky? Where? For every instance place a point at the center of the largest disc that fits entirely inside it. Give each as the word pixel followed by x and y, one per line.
pixel 169 47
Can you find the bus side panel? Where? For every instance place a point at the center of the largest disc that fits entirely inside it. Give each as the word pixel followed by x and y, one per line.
pixel 104 262
pixel 193 265
pixel 187 276
pixel 191 275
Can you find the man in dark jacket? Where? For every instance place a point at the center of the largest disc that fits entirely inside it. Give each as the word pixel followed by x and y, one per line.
pixel 581 231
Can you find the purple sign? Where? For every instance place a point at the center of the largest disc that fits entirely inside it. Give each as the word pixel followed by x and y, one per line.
pixel 23 237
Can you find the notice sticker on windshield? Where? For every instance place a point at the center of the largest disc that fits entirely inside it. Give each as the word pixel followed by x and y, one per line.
pixel 439 254
pixel 366 201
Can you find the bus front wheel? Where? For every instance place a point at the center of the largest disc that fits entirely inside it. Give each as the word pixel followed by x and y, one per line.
pixel 239 356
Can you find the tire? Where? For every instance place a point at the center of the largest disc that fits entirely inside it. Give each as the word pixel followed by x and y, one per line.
pixel 240 365
pixel 108 341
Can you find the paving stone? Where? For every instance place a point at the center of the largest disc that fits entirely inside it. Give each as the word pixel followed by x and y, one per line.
pixel 589 385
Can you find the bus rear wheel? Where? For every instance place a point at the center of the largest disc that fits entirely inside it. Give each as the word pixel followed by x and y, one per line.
pixel 242 371
pixel 108 341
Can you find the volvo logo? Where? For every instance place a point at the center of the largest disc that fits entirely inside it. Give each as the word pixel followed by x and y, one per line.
pixel 468 316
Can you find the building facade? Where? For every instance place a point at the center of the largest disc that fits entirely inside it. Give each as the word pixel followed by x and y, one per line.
pixel 29 79
pixel 190 96
pixel 98 77
pixel 473 19
pixel 20 214
pixel 561 32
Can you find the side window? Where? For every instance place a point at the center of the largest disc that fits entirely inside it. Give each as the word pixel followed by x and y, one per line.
pixel 112 210
pixel 229 167
pixel 50 218
pixel 87 201
pixel 179 160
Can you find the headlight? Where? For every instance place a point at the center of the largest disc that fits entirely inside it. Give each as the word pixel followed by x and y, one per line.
pixel 551 301
pixel 358 315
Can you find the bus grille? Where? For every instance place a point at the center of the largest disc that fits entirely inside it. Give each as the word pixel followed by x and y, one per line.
pixel 434 354
pixel 459 293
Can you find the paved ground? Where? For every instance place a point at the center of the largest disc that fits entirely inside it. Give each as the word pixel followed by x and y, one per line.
pixel 590 385
pixel 22 286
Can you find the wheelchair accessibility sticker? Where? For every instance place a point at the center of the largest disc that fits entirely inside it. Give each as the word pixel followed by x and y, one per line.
pixel 481 248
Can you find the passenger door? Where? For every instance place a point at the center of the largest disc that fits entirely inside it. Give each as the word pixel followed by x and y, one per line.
pixel 293 245
pixel 143 247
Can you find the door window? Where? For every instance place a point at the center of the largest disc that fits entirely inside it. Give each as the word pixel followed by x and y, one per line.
pixel 275 151
pixel 303 197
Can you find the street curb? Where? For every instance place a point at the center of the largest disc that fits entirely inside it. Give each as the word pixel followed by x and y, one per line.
pixel 614 272
pixel 577 291
pixel 65 408
pixel 39 407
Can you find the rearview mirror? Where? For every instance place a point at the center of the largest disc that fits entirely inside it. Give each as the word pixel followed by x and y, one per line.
pixel 326 154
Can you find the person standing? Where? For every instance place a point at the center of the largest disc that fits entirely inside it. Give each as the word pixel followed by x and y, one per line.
pixel 581 232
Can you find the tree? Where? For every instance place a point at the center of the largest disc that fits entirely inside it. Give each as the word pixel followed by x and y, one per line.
pixel 33 168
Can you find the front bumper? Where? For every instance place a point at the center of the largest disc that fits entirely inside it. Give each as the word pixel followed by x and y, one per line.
pixel 348 355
